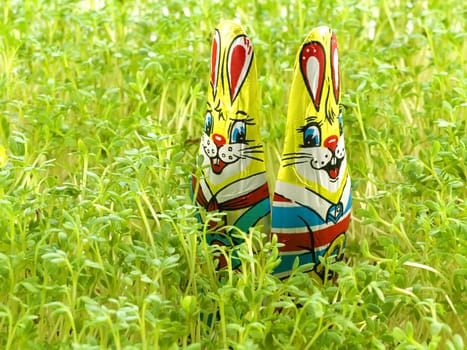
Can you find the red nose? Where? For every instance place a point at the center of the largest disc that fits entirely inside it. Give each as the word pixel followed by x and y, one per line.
pixel 331 142
pixel 219 140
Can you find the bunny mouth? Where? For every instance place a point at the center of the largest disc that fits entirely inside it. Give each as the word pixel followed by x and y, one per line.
pixel 333 173
pixel 333 168
pixel 217 165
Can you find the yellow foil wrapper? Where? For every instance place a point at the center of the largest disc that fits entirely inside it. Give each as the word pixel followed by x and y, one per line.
pixel 3 157
pixel 233 174
pixel 312 198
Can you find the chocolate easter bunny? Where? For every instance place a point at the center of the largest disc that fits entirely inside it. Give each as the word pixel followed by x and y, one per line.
pixel 233 175
pixel 312 197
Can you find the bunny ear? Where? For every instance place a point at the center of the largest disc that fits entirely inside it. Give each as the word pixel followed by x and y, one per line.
pixel 238 64
pixel 312 63
pixel 335 67
pixel 215 58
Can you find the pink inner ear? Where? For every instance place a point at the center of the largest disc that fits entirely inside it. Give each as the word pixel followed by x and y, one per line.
pixel 239 62
pixel 335 67
pixel 215 53
pixel 312 63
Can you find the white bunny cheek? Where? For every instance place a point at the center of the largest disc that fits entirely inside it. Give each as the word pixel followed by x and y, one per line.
pixel 340 149
pixel 229 153
pixel 340 153
pixel 320 158
pixel 209 147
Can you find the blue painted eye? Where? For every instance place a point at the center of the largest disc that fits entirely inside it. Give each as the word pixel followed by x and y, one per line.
pixel 341 125
pixel 312 136
pixel 208 124
pixel 238 133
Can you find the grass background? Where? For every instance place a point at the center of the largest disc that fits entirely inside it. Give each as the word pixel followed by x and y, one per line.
pixel 101 110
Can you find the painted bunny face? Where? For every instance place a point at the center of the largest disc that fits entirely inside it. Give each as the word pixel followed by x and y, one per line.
pixel 230 142
pixel 314 153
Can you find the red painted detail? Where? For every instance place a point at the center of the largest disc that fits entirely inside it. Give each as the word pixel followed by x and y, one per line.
pixel 312 63
pixel 335 67
pixel 279 198
pixel 215 53
pixel 218 139
pixel 331 142
pixel 239 61
pixel 302 240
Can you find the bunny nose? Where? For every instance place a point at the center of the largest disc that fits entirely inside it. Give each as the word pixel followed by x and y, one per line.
pixel 219 140
pixel 331 142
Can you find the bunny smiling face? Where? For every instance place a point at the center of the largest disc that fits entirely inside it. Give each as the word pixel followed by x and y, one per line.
pixel 230 142
pixel 233 175
pixel 234 147
pixel 321 152
pixel 326 155
pixel 314 154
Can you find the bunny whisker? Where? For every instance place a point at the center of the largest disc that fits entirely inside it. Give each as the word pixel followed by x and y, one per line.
pixel 252 151
pixel 298 157
pixel 297 154
pixel 294 163
pixel 245 156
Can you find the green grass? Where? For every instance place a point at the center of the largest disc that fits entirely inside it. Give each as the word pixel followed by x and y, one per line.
pixel 101 108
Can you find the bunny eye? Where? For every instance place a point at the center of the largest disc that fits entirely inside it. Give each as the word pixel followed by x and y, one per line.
pixel 312 136
pixel 208 124
pixel 341 125
pixel 238 133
